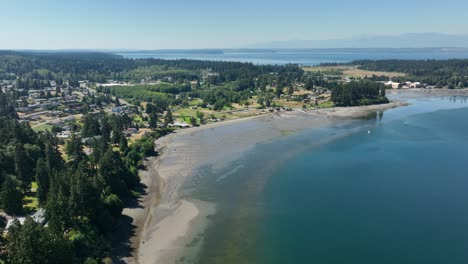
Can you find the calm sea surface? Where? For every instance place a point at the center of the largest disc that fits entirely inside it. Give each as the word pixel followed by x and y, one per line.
pixel 304 57
pixel 340 194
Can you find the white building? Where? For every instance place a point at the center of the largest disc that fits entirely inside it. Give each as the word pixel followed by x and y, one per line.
pixel 179 124
pixel 38 217
pixel 394 85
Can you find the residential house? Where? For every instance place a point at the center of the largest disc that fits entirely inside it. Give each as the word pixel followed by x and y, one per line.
pixel 394 85
pixel 179 125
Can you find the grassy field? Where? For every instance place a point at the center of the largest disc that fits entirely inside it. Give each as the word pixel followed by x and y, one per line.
pixel 144 92
pixel 195 102
pixel 42 128
pixel 326 104
pixel 33 186
pixel 30 202
pixel 351 71
pixel 156 70
pixel 138 135
pixel 184 114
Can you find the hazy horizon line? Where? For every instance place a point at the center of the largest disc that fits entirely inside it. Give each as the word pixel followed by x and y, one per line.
pixel 118 50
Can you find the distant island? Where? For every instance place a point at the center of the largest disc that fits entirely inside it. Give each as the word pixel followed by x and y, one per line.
pixel 407 40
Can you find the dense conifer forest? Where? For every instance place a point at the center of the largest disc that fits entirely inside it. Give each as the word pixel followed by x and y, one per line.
pixel 83 195
pixel 440 73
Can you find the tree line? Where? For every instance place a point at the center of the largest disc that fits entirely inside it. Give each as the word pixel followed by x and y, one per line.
pixel 98 67
pixel 441 73
pixel 355 93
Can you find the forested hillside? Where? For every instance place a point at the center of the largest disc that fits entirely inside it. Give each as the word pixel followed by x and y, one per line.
pixel 100 67
pixel 83 195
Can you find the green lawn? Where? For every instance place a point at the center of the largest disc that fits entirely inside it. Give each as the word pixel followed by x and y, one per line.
pixel 42 128
pixel 327 104
pixel 30 203
pixel 187 111
pixel 195 102
pixel 33 186
pixel 186 119
pixel 137 119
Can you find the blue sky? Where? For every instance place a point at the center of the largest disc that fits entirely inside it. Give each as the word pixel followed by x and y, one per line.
pixel 145 24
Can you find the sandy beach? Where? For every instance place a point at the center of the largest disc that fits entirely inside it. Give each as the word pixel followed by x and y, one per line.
pixel 168 219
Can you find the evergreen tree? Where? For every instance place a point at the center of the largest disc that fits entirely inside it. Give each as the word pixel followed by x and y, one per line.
pixel 7 106
pixel 105 128
pixel 84 197
pixel 201 117
pixel 123 144
pixel 309 85
pixel 193 121
pixel 52 156
pixel 168 118
pixel 109 173
pixel 57 207
pixel 90 126
pixel 153 120
pixel 21 166
pixel 116 136
pixel 74 147
pixel 31 243
pixel 115 205
pixel 150 108
pixel 10 196
pixel 42 179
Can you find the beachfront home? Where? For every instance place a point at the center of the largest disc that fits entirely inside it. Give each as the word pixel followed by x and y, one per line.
pixel 394 85
pixel 415 85
pixel 179 125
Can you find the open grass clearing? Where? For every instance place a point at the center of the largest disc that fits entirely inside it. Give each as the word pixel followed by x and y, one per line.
pixel 351 71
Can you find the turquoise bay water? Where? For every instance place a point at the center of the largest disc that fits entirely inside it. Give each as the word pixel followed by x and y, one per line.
pixel 398 194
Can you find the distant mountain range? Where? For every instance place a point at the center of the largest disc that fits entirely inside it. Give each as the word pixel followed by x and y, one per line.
pixel 410 40
pixel 291 50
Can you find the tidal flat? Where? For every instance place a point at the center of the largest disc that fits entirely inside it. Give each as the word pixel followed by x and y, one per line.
pixel 261 189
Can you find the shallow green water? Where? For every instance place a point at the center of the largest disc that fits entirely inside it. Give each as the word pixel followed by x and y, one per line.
pixel 398 194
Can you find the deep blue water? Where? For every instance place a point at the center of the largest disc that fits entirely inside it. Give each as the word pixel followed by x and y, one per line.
pixel 398 194
pixel 305 57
